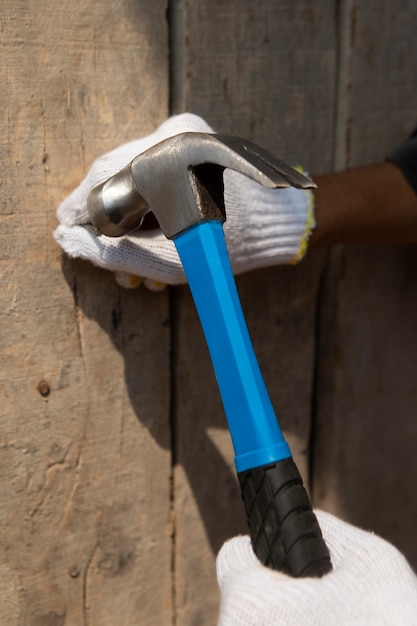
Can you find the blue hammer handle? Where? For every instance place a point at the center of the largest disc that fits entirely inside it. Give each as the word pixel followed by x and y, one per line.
pixel 284 530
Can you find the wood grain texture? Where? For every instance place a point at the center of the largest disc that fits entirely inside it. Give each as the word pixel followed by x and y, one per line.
pixel 365 430
pixel 97 528
pixel 379 78
pixel 264 72
pixel 85 460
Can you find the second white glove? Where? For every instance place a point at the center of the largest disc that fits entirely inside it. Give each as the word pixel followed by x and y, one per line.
pixel 371 585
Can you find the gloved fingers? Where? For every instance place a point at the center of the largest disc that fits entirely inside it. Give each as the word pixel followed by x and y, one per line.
pixel 149 255
pixel 73 210
pixel 132 281
pixel 235 556
pixel 254 594
pixel 128 280
pixel 236 561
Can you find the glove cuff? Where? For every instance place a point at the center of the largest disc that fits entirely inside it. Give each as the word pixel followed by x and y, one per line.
pixel 278 229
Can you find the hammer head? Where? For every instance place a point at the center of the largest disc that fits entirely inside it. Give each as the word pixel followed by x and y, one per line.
pixel 181 181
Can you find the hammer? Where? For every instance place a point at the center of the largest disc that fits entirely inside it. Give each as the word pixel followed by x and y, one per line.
pixel 181 181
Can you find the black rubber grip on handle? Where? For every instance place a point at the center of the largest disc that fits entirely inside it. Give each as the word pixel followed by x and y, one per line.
pixel 284 531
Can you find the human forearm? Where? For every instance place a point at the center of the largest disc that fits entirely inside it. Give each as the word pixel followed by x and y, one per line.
pixel 374 203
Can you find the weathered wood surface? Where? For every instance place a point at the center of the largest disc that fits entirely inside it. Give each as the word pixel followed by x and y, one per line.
pixel 365 426
pixel 85 470
pixel 111 514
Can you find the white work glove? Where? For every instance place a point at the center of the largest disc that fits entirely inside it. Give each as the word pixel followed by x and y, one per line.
pixel 371 585
pixel 263 227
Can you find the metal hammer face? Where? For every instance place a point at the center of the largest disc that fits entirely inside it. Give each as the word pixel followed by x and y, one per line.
pixel 181 181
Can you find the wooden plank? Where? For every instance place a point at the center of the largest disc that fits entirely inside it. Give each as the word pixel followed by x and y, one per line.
pixel 376 85
pixel 85 462
pixel 366 394
pixel 268 74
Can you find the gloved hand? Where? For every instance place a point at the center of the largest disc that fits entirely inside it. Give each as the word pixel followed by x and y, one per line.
pixel 263 226
pixel 371 585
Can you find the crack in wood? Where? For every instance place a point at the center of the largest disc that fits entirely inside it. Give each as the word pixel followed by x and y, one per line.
pixel 86 606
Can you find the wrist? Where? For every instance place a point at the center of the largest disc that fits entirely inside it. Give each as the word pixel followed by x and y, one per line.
pixel 370 204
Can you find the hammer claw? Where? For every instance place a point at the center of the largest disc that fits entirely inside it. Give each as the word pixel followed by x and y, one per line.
pixel 277 172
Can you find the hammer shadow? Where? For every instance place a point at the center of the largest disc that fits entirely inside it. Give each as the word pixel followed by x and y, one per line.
pixel 141 324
